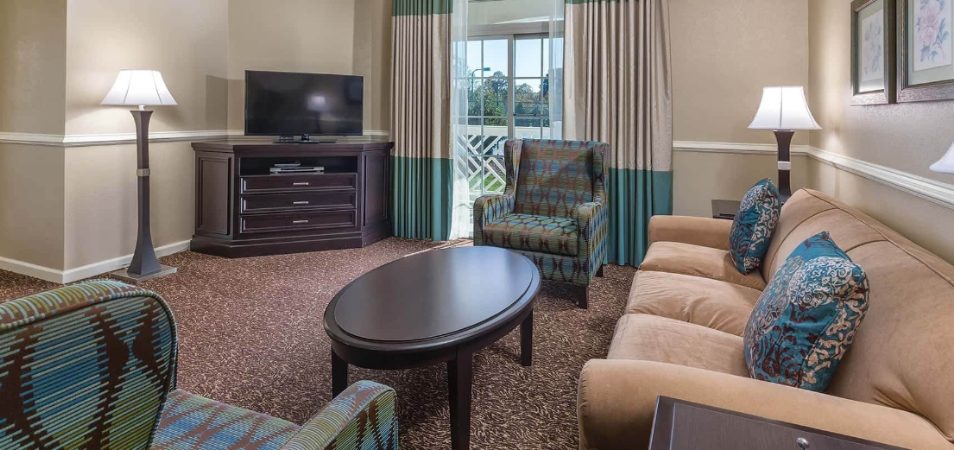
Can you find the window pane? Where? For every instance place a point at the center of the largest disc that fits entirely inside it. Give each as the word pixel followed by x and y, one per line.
pixel 494 93
pixel 527 129
pixel 495 57
pixel 474 90
pixel 546 56
pixel 473 59
pixel 528 57
pixel 528 98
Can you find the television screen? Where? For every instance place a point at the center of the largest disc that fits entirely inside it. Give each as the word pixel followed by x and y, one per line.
pixel 291 104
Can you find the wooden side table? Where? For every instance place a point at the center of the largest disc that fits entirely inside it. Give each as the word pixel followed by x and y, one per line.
pixel 725 209
pixel 682 425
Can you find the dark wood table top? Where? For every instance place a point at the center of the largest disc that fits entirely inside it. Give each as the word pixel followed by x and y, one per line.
pixel 433 299
pixel 681 425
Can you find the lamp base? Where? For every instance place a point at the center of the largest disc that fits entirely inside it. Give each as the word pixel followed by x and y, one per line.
pixel 134 278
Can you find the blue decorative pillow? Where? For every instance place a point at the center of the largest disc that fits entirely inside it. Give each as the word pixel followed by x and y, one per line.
pixel 753 226
pixel 806 318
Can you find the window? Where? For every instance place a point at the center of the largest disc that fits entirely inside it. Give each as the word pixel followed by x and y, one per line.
pixel 508 97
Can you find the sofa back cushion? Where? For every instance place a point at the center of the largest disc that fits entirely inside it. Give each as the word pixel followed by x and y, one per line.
pixel 554 177
pixel 901 355
pixel 84 366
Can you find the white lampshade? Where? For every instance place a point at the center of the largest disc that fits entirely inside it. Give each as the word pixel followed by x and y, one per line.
pixel 139 87
pixel 946 164
pixel 784 108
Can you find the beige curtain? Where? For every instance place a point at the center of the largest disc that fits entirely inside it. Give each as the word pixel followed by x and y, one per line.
pixel 422 170
pixel 618 90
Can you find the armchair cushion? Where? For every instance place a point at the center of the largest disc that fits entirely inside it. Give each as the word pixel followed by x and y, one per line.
pixel 545 234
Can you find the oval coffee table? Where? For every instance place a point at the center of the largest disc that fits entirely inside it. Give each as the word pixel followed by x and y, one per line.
pixel 440 305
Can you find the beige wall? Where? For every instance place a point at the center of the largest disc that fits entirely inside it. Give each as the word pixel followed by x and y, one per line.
pixel 290 36
pixel 32 83
pixel 372 59
pixel 31 204
pixel 700 177
pixel 188 42
pixel 32 58
pixel 906 137
pixel 723 53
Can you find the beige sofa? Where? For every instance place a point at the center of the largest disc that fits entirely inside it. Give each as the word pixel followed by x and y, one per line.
pixel 680 336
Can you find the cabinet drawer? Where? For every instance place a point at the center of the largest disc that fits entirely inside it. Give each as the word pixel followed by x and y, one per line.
pixel 266 183
pixel 299 201
pixel 299 221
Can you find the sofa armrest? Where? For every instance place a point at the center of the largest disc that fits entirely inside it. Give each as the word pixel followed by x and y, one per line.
pixel 489 209
pixel 704 231
pixel 617 400
pixel 364 412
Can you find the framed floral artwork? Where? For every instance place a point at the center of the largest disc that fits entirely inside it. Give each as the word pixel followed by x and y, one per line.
pixel 873 51
pixel 926 49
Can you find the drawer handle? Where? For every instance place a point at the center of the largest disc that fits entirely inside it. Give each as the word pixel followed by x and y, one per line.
pixel 802 443
pixel 301 183
pixel 299 222
pixel 301 202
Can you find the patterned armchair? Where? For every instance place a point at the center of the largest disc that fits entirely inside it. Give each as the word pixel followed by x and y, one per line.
pixel 553 209
pixel 93 366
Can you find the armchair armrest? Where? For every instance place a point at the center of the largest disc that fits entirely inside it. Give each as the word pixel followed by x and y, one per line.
pixel 489 209
pixel 592 221
pixel 704 231
pixel 617 400
pixel 362 413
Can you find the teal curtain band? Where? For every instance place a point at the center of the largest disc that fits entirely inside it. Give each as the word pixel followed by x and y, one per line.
pixel 634 197
pixel 421 197
pixel 422 7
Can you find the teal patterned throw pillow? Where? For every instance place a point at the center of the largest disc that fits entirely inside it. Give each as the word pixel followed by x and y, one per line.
pixel 752 229
pixel 806 318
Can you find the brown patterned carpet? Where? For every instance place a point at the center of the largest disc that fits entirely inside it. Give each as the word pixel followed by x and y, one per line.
pixel 250 334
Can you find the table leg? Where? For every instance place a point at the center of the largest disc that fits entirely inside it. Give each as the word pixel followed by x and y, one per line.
pixel 339 374
pixel 460 373
pixel 526 340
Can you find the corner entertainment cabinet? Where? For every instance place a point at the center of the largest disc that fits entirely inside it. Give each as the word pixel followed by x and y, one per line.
pixel 243 210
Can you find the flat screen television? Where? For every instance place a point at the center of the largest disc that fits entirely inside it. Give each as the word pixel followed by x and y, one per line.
pixel 289 104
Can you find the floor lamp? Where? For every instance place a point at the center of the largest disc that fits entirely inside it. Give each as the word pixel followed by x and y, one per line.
pixel 784 110
pixel 141 88
pixel 946 163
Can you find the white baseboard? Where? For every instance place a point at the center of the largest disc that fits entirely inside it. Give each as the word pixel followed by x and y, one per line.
pixel 87 271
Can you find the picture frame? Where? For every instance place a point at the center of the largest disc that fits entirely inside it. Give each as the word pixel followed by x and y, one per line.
pixel 873 47
pixel 925 50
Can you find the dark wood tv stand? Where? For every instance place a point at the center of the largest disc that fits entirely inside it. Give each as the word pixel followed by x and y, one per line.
pixel 242 210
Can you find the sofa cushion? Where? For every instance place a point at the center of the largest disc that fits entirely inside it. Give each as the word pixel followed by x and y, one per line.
pixel 688 259
pixel 806 319
pixel 753 226
pixel 711 303
pixel 651 338
pixel 190 421
pixel 545 234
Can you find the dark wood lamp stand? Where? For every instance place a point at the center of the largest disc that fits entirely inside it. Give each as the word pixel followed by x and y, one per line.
pixel 784 139
pixel 144 263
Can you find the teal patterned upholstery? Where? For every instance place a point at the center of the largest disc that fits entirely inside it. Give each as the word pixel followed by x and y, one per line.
pixel 753 226
pixel 553 209
pixel 807 317
pixel 92 365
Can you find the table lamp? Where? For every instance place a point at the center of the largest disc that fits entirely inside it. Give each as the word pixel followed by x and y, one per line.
pixel 946 164
pixel 141 88
pixel 784 110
